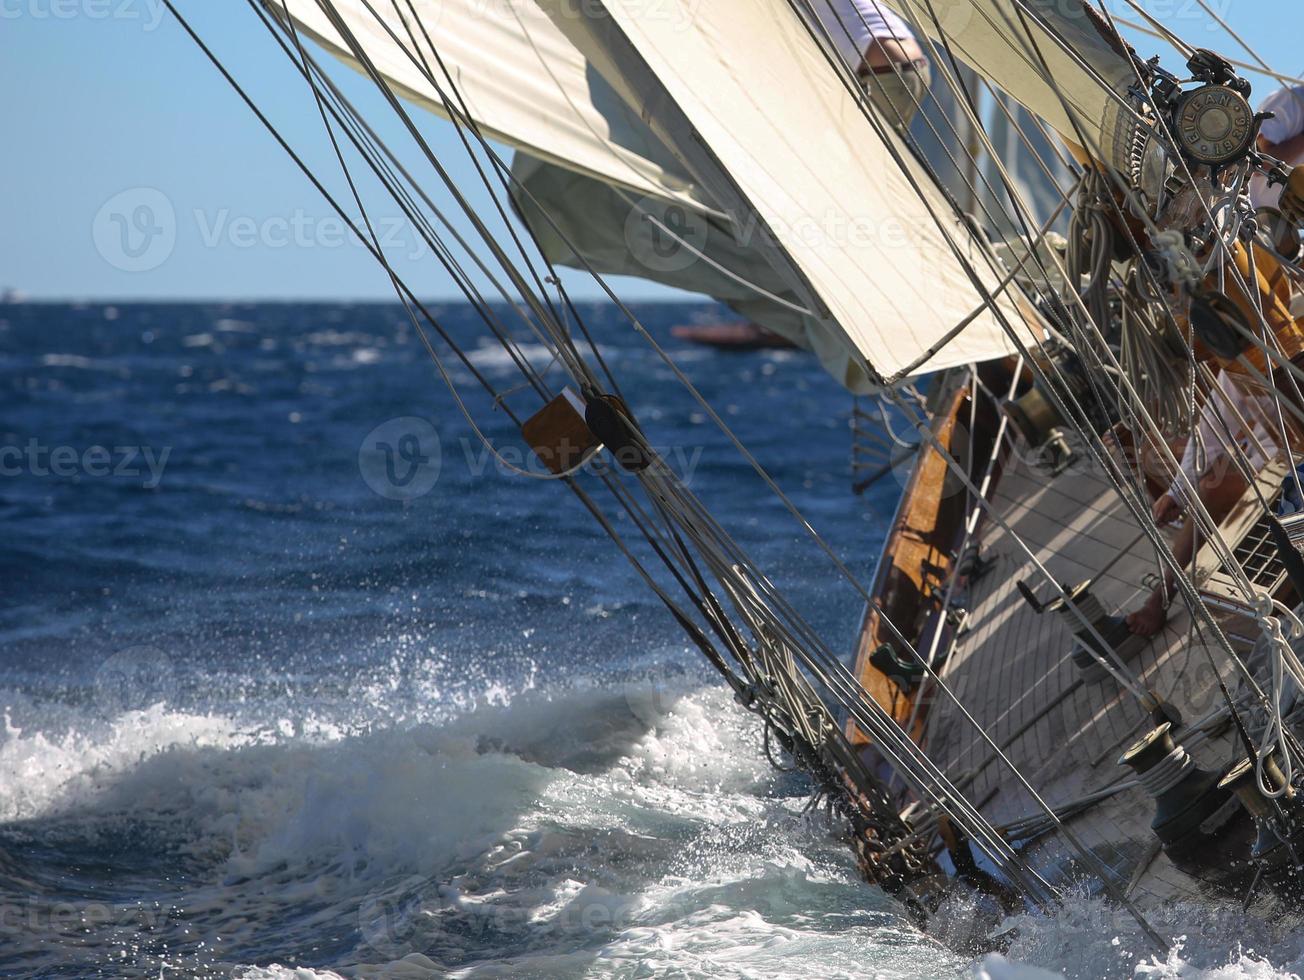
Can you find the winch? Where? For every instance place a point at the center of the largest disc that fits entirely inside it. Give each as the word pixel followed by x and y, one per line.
pixel 1084 614
pixel 1035 416
pixel 1191 805
pixel 1279 823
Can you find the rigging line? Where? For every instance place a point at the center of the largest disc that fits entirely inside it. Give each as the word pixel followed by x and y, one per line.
pixel 425 197
pixel 344 167
pixel 873 118
pixel 816 28
pixel 1001 98
pixel 457 397
pixel 1263 65
pixel 1000 287
pixel 408 206
pixel 1120 673
pixel 1005 325
pixel 1276 393
pixel 1019 344
pixel 868 723
pixel 970 524
pixel 1085 853
pixel 629 314
pixel 473 126
pixel 839 671
pixel 542 311
pixel 1157 26
pixel 321 189
pixel 504 176
pixel 405 293
pixel 468 122
pixel 1110 173
pixel 438 364
pixel 1190 178
pixel 1143 521
pixel 1264 70
pixel 719 267
pixel 1103 460
pixel 499 168
pixel 524 369
pixel 618 190
pixel 970 271
pixel 380 258
pixel 965 101
pixel 346 114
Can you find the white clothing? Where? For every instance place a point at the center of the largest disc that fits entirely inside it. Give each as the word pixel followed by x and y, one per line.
pixel 1287 105
pixel 1217 419
pixel 853 25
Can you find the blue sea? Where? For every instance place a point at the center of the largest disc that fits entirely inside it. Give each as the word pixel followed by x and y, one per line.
pixel 299 680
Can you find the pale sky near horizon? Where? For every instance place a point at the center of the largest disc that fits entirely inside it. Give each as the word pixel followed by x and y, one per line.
pixel 110 96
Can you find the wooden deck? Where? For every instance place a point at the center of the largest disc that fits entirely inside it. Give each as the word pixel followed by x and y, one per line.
pixel 1032 712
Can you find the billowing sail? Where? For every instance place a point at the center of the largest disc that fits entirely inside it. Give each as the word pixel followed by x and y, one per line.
pixel 522 80
pixel 842 229
pixel 1055 57
pixel 863 238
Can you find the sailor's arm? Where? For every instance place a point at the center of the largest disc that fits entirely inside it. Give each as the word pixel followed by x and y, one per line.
pixel 1289 150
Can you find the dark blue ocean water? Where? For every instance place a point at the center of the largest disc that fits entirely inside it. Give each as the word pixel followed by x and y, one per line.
pixel 197 573
pixel 271 710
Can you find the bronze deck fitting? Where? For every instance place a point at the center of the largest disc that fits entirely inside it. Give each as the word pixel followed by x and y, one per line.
pixel 1270 846
pixel 1121 644
pixel 1191 807
pixel 1033 417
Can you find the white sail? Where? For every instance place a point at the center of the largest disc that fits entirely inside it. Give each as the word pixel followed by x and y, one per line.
pixel 523 81
pixel 746 95
pixel 1055 57
pixel 818 209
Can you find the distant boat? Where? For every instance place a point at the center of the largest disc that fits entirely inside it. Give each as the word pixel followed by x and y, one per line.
pixel 737 336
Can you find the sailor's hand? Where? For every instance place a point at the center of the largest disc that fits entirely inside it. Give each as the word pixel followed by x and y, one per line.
pixel 1166 509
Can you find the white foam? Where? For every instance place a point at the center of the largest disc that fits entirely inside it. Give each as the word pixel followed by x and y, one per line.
pixel 627 829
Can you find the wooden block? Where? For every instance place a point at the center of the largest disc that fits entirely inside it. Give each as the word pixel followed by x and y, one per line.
pixel 558 434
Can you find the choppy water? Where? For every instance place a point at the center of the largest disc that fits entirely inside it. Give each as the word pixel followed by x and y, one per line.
pixel 262 720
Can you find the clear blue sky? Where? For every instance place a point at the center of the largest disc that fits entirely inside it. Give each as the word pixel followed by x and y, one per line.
pixel 107 96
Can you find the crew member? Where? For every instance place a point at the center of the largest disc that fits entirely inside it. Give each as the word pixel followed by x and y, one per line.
pixel 1217 476
pixel 1282 137
pixel 882 51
